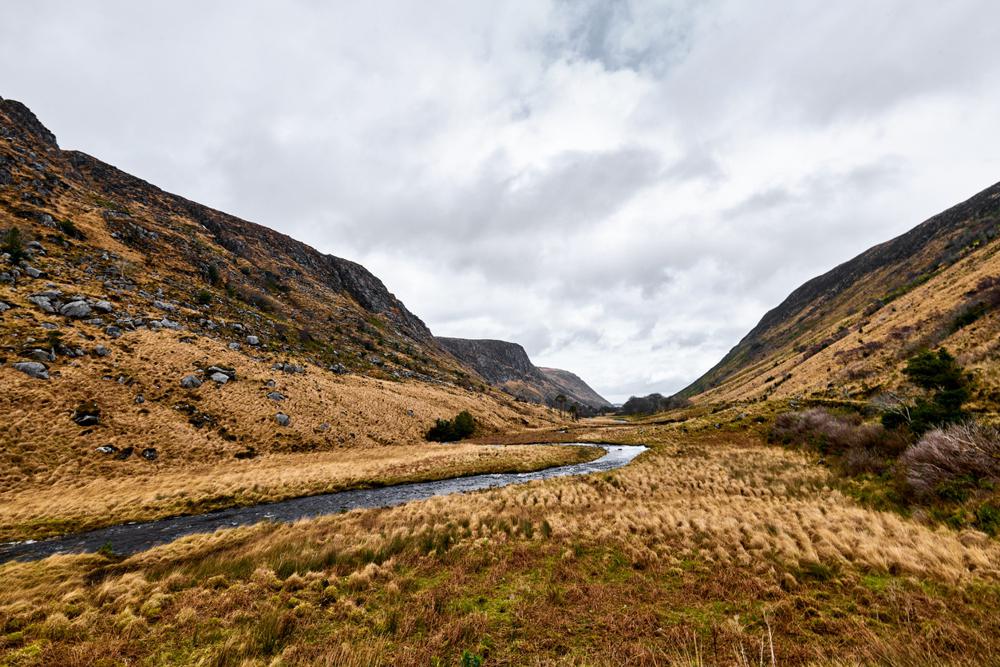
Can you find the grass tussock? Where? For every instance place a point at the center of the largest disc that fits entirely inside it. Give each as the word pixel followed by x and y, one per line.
pixel 708 548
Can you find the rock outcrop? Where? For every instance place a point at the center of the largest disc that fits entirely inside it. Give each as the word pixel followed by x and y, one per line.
pixel 507 366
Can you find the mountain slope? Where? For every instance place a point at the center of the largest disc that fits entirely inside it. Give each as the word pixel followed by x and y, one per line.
pixel 849 331
pixel 144 334
pixel 506 365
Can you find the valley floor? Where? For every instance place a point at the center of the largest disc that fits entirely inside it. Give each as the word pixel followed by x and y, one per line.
pixel 711 548
pixel 40 511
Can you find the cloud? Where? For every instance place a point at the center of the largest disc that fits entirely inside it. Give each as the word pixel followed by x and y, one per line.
pixel 624 187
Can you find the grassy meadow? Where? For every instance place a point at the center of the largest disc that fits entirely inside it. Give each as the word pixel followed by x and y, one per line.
pixel 712 548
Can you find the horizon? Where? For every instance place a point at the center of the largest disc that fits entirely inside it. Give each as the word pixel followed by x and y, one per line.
pixel 619 188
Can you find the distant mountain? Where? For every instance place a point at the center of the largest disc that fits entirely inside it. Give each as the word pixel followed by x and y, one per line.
pixel 848 332
pixel 506 365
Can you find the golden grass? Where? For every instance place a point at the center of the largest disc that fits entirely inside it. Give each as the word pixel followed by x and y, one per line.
pixel 693 554
pixel 52 479
pixel 896 329
pixel 39 512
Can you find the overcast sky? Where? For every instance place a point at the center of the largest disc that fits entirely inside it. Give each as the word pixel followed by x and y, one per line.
pixel 622 187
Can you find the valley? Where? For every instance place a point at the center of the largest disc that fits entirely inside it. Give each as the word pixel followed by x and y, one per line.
pixel 826 494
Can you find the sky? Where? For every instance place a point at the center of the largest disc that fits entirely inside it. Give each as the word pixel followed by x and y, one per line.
pixel 624 188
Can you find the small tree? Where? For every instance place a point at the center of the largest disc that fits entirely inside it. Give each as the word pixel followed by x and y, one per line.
pixel 946 388
pixel 464 425
pixel 450 430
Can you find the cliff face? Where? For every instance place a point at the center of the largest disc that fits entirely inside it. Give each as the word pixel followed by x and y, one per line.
pixel 506 365
pixel 849 331
pixel 572 385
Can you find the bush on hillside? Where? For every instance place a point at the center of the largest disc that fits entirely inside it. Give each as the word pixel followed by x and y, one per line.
pixel 858 447
pixel 450 430
pixel 948 461
pixel 12 244
pixel 946 389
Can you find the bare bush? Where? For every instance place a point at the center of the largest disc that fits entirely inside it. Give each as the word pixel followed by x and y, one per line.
pixel 830 433
pixel 970 451
pixel 861 460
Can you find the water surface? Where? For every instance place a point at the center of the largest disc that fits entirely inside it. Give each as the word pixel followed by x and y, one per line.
pixel 132 537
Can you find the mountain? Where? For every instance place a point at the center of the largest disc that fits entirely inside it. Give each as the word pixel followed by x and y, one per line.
pixel 133 319
pixel 507 366
pixel 849 332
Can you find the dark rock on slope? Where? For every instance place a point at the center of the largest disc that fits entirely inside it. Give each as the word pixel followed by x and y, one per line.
pixel 506 365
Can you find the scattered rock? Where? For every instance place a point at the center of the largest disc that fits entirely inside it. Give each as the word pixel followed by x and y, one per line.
pixel 34 369
pixel 4 307
pixel 249 453
pixel 282 419
pixel 190 382
pixel 276 396
pixel 251 340
pixel 33 272
pixel 162 305
pixel 124 454
pixel 35 246
pixel 101 351
pixel 87 413
pixel 409 413
pixel 150 454
pixel 41 355
pixel 339 369
pixel 234 346
pixel 106 449
pixel 219 378
pixel 43 302
pixel 113 331
pixel 323 428
pixel 76 309
pixel 270 384
pixel 289 368
pixel 140 399
pixel 103 306
pixel 228 371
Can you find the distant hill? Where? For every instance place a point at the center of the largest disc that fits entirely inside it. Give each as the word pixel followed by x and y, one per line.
pixel 506 365
pixel 848 332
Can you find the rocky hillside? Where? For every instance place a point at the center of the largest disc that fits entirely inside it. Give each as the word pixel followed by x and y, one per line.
pixel 848 332
pixel 507 366
pixel 140 331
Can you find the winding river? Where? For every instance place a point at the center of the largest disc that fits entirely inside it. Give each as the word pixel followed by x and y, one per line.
pixel 133 537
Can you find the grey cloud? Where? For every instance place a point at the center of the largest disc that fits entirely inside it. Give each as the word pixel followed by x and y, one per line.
pixel 623 187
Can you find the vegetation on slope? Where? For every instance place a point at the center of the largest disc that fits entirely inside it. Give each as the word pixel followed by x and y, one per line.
pixel 849 332
pixel 710 548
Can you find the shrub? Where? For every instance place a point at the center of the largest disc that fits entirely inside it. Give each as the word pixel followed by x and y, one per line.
pixel 830 434
pixel 447 430
pixel 203 297
pixel 947 387
pixel 947 460
pixel 13 244
pixel 68 228
pixel 464 425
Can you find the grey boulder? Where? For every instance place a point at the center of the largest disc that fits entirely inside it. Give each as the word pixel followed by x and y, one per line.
pixel 33 369
pixel 190 382
pixel 77 309
pixel 282 419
